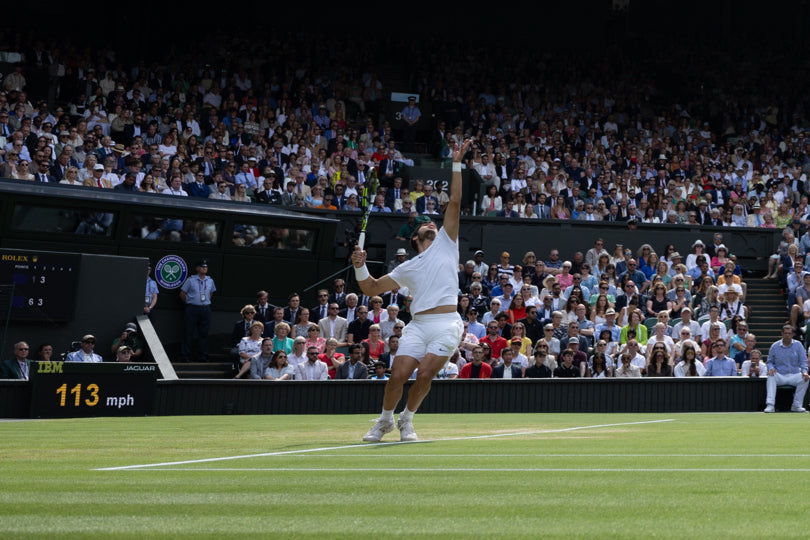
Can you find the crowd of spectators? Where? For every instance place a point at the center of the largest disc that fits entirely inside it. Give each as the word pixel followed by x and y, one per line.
pixel 599 315
pixel 550 143
pixel 310 135
pixel 631 312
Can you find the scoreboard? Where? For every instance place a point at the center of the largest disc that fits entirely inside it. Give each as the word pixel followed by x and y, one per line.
pixel 38 286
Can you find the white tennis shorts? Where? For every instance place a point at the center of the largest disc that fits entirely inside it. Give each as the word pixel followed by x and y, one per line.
pixel 437 334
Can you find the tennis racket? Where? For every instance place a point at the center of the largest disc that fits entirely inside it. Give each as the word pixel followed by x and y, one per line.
pixel 366 200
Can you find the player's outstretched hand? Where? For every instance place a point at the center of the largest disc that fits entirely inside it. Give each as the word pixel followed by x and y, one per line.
pixel 460 151
pixel 358 257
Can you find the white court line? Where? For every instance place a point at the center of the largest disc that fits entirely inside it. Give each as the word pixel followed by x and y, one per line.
pixel 377 445
pixel 469 470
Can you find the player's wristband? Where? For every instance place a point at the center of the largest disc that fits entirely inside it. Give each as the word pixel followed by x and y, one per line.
pixel 361 273
pixel 456 166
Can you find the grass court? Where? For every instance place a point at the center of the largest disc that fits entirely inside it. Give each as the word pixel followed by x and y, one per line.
pixel 471 476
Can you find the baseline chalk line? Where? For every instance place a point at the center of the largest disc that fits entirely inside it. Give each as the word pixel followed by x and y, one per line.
pixel 377 445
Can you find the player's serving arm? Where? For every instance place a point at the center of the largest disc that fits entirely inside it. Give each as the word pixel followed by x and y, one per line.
pixel 435 331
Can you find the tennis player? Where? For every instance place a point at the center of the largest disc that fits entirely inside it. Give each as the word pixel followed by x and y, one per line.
pixel 436 329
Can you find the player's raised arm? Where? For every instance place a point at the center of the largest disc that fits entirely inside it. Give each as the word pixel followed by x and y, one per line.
pixel 453 211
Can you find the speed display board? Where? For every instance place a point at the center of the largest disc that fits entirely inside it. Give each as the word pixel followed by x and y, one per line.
pixel 76 389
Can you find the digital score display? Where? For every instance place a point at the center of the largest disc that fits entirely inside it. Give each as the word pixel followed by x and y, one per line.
pixel 78 389
pixel 38 286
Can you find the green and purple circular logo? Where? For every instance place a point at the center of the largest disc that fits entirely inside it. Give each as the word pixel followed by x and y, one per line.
pixel 171 272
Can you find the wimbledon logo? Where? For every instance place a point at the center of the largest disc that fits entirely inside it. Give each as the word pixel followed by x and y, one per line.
pixel 171 272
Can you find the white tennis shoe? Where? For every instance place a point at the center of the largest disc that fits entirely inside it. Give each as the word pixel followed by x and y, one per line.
pixel 769 409
pixel 406 431
pixel 381 427
pixel 798 409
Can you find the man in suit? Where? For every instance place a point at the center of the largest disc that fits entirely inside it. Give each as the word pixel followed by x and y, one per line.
pixel 333 325
pixel 42 172
pixel 390 168
pixel 350 311
pixel 508 210
pixel 717 241
pixel 394 194
pixel 542 210
pixel 630 290
pixel 387 358
pixel 293 307
pixel 588 214
pixel 198 188
pixel 715 219
pixel 221 193
pixel 354 368
pixel 704 215
pixel 313 369
pixel 276 318
pixel 506 369
pixel 338 294
pixel 268 166
pixel 321 310
pixel 19 366
pixel 98 180
pixel 136 128
pixel 288 195
pixel 299 187
pixel 533 196
pixel 393 298
pixel 340 198
pixel 610 199
pixel 282 159
pixel 264 309
pixel 421 202
pixel 208 164
pixel 437 140
pixel 241 328
pixel 57 171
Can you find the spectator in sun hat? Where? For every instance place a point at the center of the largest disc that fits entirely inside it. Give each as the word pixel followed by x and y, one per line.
pixel 400 257
pixel 86 352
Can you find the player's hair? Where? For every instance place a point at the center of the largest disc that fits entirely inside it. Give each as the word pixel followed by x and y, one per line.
pixel 414 238
pixel 415 234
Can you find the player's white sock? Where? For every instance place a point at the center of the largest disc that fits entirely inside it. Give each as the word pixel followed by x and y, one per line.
pixel 406 414
pixel 387 415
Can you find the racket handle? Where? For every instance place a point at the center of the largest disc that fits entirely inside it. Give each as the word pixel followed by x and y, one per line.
pixel 361 240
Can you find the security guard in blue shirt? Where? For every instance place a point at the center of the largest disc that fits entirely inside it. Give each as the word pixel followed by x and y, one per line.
pixel 196 294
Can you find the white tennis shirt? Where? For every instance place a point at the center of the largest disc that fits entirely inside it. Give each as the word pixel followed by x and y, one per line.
pixel 432 276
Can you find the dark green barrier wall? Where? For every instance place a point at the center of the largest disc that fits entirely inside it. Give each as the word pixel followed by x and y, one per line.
pixel 465 396
pixel 204 397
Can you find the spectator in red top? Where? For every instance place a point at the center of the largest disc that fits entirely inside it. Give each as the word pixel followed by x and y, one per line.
pixel 496 342
pixel 477 369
